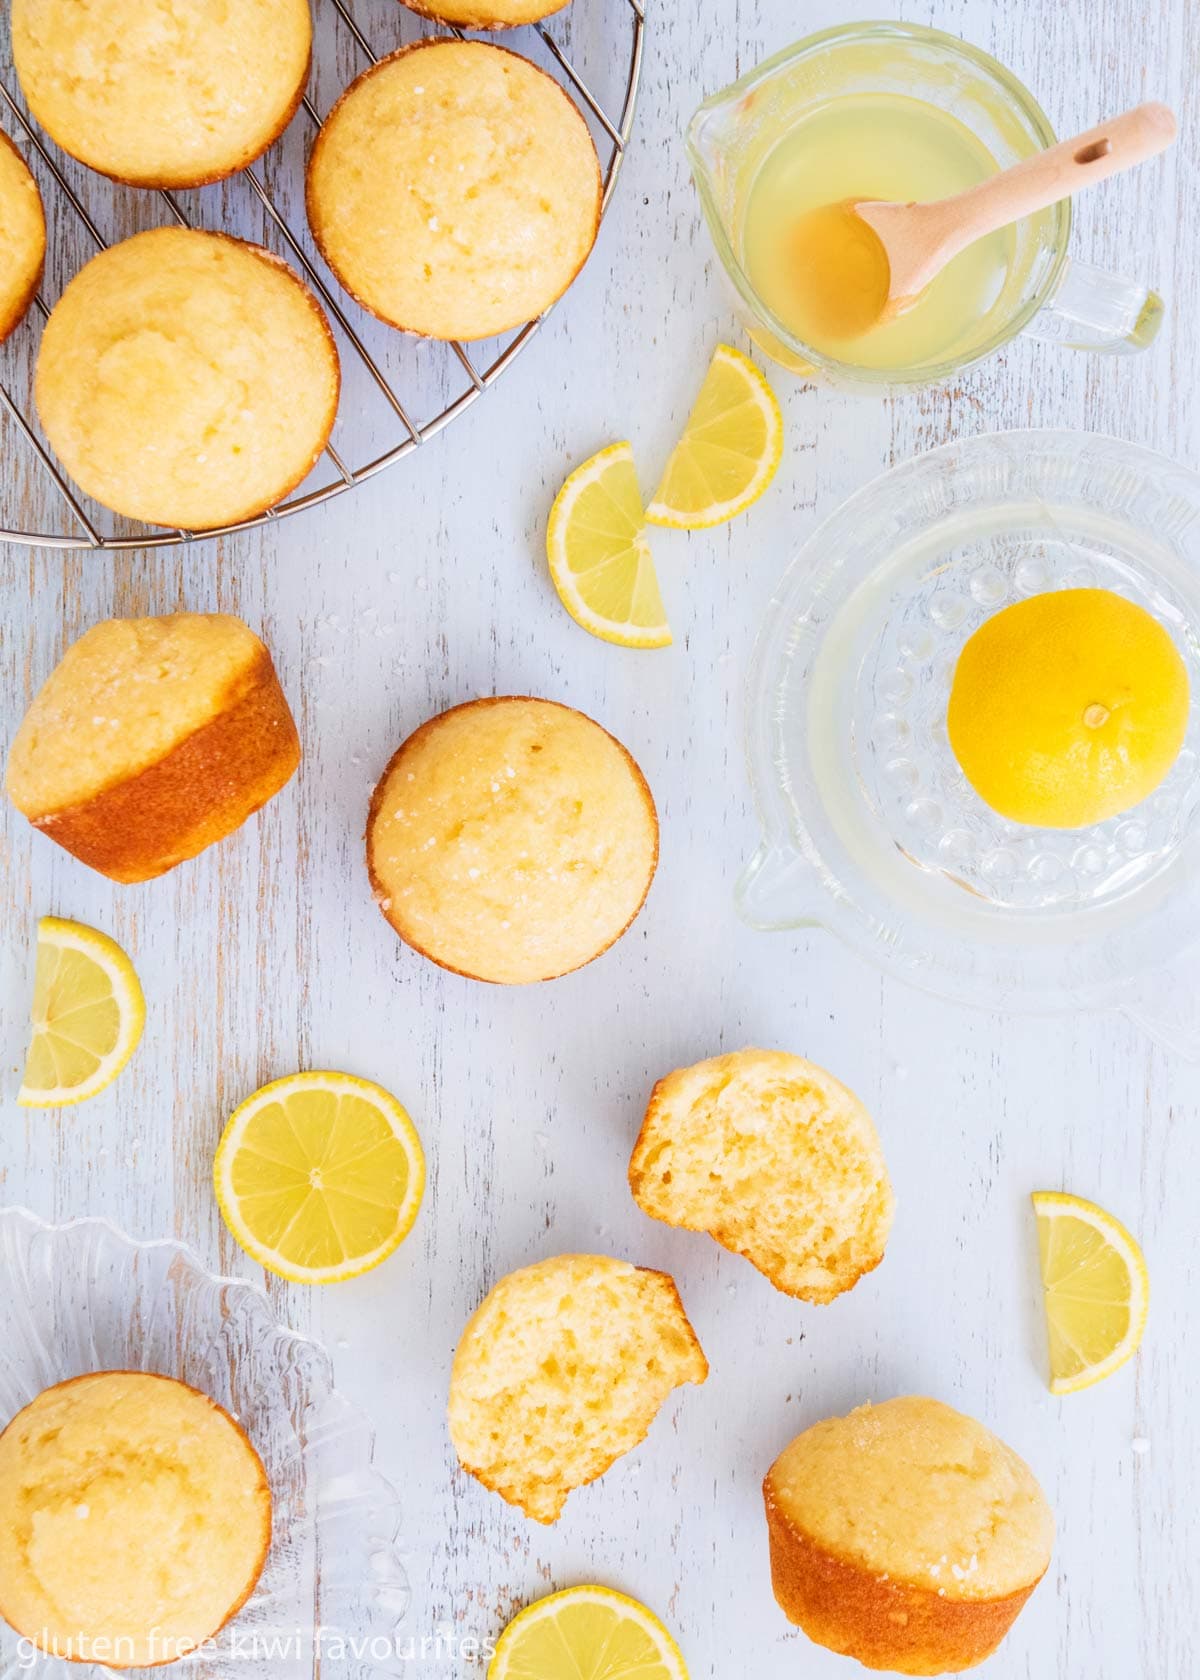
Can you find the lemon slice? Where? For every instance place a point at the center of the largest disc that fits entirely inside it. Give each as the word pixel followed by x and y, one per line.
pixel 587 1633
pixel 599 558
pixel 1097 1290
pixel 319 1176
pixel 730 449
pixel 88 1014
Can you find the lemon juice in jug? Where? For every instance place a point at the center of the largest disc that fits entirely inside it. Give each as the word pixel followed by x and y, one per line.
pixel 869 146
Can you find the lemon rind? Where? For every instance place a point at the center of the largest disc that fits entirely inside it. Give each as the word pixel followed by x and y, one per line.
pixel 1091 1213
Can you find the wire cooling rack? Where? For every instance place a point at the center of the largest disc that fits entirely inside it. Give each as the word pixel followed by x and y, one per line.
pixel 392 385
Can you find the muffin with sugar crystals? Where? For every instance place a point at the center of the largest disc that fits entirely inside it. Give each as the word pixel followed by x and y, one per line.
pixel 135 1519
pixel 22 237
pixel 486 14
pixel 151 739
pixel 174 94
pixel 454 190
pixel 562 1369
pixel 776 1160
pixel 511 840
pixel 187 379
pixel 905 1535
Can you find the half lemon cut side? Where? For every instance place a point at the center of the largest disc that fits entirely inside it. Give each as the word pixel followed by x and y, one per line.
pixel 587 1633
pixel 730 449
pixel 1097 1290
pixel 87 1016
pixel 599 558
pixel 319 1176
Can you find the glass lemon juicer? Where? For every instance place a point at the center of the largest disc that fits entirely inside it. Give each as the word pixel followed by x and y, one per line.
pixel 871 829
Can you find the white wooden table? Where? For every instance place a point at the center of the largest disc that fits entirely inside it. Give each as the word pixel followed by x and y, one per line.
pixel 267 954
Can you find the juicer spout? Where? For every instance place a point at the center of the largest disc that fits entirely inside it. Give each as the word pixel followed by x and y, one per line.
pixel 778 890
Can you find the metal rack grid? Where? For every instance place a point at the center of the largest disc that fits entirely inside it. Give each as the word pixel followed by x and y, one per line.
pixel 616 131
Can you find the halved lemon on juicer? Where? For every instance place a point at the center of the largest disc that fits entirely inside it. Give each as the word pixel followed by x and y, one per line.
pixel 1096 1288
pixel 730 449
pixel 1068 708
pixel 587 1633
pixel 319 1176
pixel 87 1017
pixel 599 558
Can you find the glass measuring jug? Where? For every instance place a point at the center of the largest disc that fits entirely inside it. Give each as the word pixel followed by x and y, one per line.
pixel 1037 289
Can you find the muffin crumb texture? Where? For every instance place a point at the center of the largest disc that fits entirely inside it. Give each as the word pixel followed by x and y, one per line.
pixel 511 840
pixel 172 94
pixel 774 1158
pixel 561 1370
pixel 455 190
pixel 135 1519
pixel 906 1535
pixel 187 379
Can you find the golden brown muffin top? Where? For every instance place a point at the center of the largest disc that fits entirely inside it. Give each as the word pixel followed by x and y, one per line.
pixel 919 1492
pixel 120 698
pixel 22 235
pixel 486 14
pixel 172 93
pixel 455 189
pixel 187 378
pixel 512 839
pixel 128 1503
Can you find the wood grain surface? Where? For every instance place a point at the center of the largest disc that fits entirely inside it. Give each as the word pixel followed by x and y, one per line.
pixel 428 586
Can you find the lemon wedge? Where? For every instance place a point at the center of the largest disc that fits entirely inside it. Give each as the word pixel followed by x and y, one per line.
pixel 599 558
pixel 1097 1290
pixel 88 1014
pixel 730 449
pixel 319 1176
pixel 586 1633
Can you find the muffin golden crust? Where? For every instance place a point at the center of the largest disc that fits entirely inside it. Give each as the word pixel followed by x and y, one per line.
pixel 135 1519
pixel 151 739
pixel 905 1535
pixel 776 1160
pixel 511 840
pixel 487 14
pixel 22 237
pixel 173 94
pixel 561 1370
pixel 187 379
pixel 454 190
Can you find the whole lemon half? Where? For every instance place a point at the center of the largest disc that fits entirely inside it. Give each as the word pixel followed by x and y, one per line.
pixel 1068 708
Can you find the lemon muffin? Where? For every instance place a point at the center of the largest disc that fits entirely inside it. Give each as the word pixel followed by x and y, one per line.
pixel 905 1535
pixel 22 237
pixel 187 379
pixel 511 840
pixel 135 1519
pixel 561 1370
pixel 166 95
pixel 486 14
pixel 151 739
pixel 774 1158
pixel 454 190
